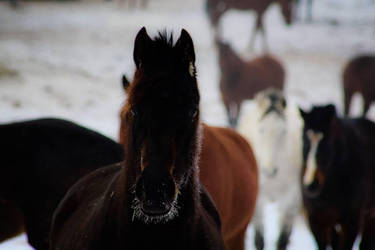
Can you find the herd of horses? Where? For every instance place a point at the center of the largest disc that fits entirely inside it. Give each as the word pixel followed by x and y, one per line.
pixel 173 182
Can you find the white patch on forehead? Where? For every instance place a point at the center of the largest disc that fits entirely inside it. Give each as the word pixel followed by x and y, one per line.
pixel 311 165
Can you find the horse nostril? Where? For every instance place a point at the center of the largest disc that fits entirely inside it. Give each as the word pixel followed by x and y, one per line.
pixel 140 191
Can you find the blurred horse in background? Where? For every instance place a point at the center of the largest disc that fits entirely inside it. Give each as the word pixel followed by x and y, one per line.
pixel 216 8
pixel 41 160
pixel 228 170
pixel 338 178
pixel 274 130
pixel 241 80
pixel 359 76
pixel 132 4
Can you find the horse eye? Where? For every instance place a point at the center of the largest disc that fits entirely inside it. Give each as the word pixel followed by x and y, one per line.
pixel 193 113
pixel 133 112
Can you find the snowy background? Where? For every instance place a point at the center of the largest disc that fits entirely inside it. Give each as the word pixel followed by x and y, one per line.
pixel 66 60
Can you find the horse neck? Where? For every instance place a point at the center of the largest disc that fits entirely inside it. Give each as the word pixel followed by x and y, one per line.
pixel 231 63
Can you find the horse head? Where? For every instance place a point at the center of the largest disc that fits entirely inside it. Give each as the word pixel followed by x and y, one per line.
pixel 318 132
pixel 271 130
pixel 214 9
pixel 160 123
pixel 227 56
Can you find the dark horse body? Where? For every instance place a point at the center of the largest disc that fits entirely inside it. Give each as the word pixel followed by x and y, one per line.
pixel 216 8
pixel 359 76
pixel 241 80
pixel 41 160
pixel 155 199
pixel 339 179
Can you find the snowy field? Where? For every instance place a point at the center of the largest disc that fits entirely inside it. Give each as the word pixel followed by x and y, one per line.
pixel 66 60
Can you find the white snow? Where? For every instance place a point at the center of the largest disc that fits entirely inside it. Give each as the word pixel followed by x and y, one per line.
pixel 70 56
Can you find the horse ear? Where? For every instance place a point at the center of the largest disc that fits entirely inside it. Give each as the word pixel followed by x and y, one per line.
pixel 125 82
pixel 330 111
pixel 142 42
pixel 185 43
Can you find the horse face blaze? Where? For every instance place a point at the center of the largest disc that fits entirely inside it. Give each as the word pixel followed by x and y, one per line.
pixel 272 136
pixel 311 162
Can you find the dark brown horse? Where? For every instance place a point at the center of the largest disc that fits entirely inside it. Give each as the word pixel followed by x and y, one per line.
pixel 216 8
pixel 229 172
pixel 359 76
pixel 241 80
pixel 155 199
pixel 338 178
pixel 41 160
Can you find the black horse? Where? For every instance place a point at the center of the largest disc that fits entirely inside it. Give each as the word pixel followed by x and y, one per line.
pixel 338 181
pixel 41 160
pixel 154 200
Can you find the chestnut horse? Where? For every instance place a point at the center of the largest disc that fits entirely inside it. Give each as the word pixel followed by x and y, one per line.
pixel 338 178
pixel 359 76
pixel 216 8
pixel 241 80
pixel 41 160
pixel 155 199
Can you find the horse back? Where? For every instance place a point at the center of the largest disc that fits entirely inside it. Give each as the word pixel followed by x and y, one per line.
pixel 270 71
pixel 359 74
pixel 55 153
pixel 80 220
pixel 229 172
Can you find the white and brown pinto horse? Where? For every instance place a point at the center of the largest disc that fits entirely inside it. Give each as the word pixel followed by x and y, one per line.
pixel 274 130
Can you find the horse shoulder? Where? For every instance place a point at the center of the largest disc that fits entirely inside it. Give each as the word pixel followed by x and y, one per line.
pixel 228 159
pixel 80 211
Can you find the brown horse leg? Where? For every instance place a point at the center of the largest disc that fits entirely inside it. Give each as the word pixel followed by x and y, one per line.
pixel 237 242
pixel 256 27
pixel 347 99
pixel 265 44
pixel 309 10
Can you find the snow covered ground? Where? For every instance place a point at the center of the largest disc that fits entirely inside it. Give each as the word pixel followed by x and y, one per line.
pixel 68 59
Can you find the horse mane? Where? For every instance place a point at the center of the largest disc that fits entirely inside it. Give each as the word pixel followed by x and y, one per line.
pixel 163 40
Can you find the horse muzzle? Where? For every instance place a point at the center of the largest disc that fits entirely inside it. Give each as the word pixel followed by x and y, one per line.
pixel 151 208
